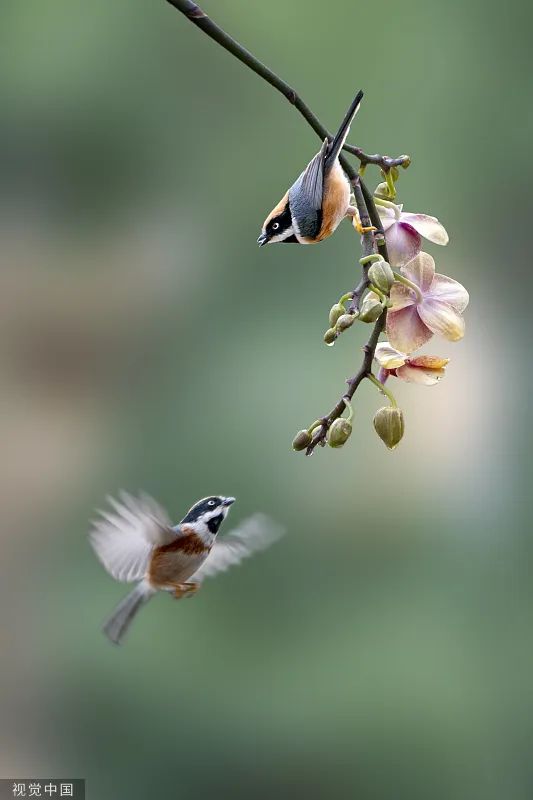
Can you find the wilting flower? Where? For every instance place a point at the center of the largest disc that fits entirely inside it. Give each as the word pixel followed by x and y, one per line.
pixel 404 232
pixel 434 306
pixel 426 370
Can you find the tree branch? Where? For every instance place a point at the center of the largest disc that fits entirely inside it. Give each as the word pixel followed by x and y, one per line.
pixel 373 241
pixel 198 17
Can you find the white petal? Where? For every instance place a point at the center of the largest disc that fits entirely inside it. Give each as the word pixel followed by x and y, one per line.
pixel 421 270
pixel 405 329
pixel 388 357
pixel 428 227
pixel 450 291
pixel 424 377
pixel 443 319
pixel 387 216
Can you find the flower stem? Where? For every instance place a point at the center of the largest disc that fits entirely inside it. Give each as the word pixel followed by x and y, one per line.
pixel 387 204
pixel 371 259
pixel 382 389
pixel 349 407
pixel 410 285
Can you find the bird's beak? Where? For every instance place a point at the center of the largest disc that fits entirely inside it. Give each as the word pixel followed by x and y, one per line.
pixel 263 239
pixel 228 501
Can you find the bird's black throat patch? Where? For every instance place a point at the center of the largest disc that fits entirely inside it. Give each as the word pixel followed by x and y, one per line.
pixel 214 523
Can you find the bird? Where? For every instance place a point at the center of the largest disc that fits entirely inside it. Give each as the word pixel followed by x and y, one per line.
pixel 319 199
pixel 136 542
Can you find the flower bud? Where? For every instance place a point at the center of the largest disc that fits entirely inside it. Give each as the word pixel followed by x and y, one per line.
pixel 301 440
pixel 382 191
pixel 336 311
pixel 406 162
pixel 381 275
pixel 339 432
pixel 389 425
pixel 330 336
pixel 345 322
pixel 370 309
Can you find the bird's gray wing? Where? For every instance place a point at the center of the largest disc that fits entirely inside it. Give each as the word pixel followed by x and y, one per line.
pixel 311 181
pixel 255 533
pixel 124 537
pixel 305 195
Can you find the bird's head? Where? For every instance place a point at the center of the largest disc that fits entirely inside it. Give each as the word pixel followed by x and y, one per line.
pixel 278 226
pixel 208 514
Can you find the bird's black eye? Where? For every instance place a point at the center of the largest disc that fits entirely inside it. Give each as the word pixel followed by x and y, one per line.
pixel 275 226
pixel 210 502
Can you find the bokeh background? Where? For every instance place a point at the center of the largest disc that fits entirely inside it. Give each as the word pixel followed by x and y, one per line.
pixel 384 648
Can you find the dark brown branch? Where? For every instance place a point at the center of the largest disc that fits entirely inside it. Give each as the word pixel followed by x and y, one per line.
pixel 372 241
pixel 385 162
pixel 194 13
pixel 369 248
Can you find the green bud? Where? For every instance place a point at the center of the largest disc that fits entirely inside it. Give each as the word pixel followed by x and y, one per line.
pixel 382 191
pixel 381 275
pixel 330 336
pixel 371 308
pixel 339 432
pixel 346 321
pixel 336 311
pixel 301 440
pixel 389 425
pixel 406 162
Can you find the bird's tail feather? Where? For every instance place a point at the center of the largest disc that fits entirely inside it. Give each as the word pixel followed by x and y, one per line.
pixel 340 137
pixel 118 623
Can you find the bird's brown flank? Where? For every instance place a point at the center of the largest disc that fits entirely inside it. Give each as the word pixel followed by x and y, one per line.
pixel 163 561
pixel 335 200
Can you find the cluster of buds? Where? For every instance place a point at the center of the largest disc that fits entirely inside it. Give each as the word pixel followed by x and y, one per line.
pixel 420 303
pixel 338 432
pixel 340 319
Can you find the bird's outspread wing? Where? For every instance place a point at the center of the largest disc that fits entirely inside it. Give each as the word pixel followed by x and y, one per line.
pixel 256 533
pixel 124 537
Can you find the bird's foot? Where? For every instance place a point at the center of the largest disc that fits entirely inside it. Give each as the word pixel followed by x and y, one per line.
pixel 356 221
pixel 362 228
pixel 182 590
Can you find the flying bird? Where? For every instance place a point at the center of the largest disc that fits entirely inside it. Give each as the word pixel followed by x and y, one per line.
pixel 136 542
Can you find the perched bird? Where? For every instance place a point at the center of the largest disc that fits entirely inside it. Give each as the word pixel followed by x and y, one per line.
pixel 136 542
pixel 319 199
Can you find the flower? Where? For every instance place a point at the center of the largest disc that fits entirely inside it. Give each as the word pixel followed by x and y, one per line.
pixel 404 232
pixel 433 304
pixel 425 370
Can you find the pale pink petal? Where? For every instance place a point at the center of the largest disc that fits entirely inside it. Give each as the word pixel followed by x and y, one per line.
pixel 450 291
pixel 388 357
pixel 403 244
pixel 405 329
pixel 421 270
pixel 428 227
pixel 425 377
pixel 442 319
pixel 387 216
pixel 429 362
pixel 401 296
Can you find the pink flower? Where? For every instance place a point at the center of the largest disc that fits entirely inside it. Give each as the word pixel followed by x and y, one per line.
pixel 404 232
pixel 434 304
pixel 425 370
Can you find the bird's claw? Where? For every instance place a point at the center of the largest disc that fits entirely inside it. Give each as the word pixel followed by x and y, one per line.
pixel 182 590
pixel 362 228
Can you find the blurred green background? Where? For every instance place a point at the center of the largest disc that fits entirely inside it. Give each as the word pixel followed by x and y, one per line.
pixel 384 648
